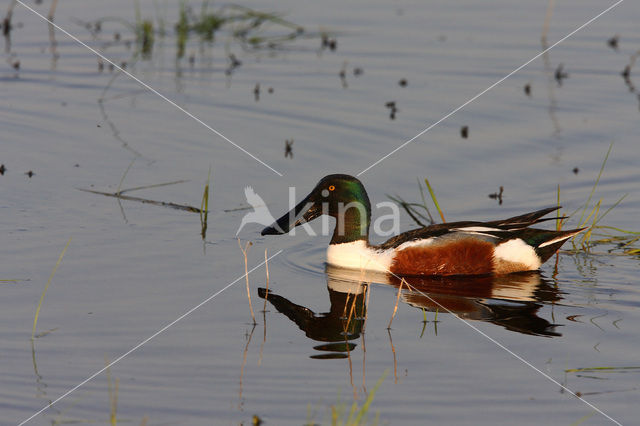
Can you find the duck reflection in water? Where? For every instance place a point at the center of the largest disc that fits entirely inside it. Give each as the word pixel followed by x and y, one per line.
pixel 510 301
pixel 337 328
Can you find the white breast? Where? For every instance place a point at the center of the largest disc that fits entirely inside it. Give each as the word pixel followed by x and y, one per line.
pixel 358 255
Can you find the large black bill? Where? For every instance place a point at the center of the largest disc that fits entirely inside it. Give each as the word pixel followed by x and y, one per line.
pixel 304 211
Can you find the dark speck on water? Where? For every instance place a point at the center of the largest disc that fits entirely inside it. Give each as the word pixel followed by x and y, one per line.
pixel 343 75
pixel 527 89
pixel 30 173
pixel 403 82
pixel 613 42
pixel 2 169
pixel 626 72
pixel 497 195
pixel 330 43
pixel 6 27
pixel 288 148
pixel 464 132
pixel 575 170
pixel 560 74
pixel 392 109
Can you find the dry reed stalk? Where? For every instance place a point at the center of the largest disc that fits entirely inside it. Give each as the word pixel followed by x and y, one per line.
pixel 246 275
pixel 395 308
pixel 547 21
pixel 266 265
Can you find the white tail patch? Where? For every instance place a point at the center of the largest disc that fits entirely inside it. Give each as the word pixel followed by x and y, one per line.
pixel 517 251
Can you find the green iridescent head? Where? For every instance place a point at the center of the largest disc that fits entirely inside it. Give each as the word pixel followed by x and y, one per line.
pixel 339 196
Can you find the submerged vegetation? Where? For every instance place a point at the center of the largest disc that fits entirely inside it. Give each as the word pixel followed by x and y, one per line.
pixel 252 30
pixel 356 415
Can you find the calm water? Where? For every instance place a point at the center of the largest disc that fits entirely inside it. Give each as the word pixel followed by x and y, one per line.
pixel 132 268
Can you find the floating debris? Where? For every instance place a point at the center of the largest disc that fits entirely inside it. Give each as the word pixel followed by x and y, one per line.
pixel 343 75
pixel 288 148
pixel 329 43
pixel 392 109
pixel 527 89
pixel 403 82
pixel 464 132
pixel 613 42
pixel 626 72
pixel 233 64
pixel 560 74
pixel 497 195
pixel 6 25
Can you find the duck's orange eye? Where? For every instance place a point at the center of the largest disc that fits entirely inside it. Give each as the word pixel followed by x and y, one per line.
pixel 331 187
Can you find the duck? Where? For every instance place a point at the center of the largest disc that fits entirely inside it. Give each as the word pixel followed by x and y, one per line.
pixel 464 248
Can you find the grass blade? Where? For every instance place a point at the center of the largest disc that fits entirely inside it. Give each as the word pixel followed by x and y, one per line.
pixel 593 190
pixel 35 319
pixel 435 201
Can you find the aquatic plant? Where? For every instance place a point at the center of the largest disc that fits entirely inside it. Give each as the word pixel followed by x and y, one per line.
pixel 204 206
pixel 597 234
pixel 46 287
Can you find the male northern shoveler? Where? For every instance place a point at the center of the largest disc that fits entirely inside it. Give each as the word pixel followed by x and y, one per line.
pixel 455 248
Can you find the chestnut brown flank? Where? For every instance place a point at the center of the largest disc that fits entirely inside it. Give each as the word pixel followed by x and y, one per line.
pixel 462 257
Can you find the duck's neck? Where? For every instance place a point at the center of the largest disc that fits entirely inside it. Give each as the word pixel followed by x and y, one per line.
pixel 353 225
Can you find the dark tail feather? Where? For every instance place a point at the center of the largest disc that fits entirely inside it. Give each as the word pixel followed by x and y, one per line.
pixel 526 219
pixel 552 242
